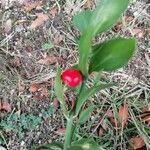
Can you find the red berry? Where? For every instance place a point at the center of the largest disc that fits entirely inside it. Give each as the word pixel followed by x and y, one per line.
pixel 71 77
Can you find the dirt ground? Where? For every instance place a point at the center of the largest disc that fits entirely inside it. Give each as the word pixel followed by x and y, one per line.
pixel 36 36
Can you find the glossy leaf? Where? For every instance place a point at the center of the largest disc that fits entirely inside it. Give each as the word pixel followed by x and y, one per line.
pixel 106 14
pixel 85 144
pixel 100 19
pixel 87 93
pixel 90 23
pixel 112 54
pixel 81 20
pixel 85 114
pixel 84 52
pixel 52 146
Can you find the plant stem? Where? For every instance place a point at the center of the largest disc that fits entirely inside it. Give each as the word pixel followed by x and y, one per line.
pixel 69 133
pixel 70 126
pixel 82 86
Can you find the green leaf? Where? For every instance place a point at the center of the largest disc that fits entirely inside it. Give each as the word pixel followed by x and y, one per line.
pixel 112 54
pixel 81 20
pixel 84 52
pixel 47 46
pixel 75 148
pixel 102 18
pixel 87 93
pixel 85 144
pixel 52 146
pixel 106 14
pixel 84 116
pixel 58 86
pixel 92 23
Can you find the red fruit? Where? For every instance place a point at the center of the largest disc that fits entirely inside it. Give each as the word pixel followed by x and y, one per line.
pixel 71 77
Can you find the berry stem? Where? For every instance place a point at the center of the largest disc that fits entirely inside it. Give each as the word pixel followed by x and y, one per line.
pixel 69 133
pixel 70 128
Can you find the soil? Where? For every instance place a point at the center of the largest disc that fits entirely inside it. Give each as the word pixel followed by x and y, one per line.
pixel 21 49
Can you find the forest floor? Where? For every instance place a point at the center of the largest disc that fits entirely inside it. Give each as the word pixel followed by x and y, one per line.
pixel 36 37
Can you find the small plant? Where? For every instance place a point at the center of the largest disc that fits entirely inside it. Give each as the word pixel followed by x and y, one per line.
pixel 20 123
pixel 106 56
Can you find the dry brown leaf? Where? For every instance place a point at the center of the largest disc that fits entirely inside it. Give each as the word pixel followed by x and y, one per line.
pixel 8 26
pixel 29 6
pixel 88 4
pixel 119 24
pixel 20 85
pixel 53 11
pixel 118 27
pixel 146 118
pixel 44 91
pixel 112 119
pixel 101 132
pixel 34 87
pixel 128 18
pixel 137 142
pixel 73 103
pixel 5 106
pixel 29 49
pixel 41 18
pixel 15 62
pixel 114 122
pixel 58 38
pixel 60 131
pixel 48 60
pixel 56 103
pixel 110 113
pixel 40 88
pixel 123 114
pixel 139 32
pixel 145 114
pixel 146 109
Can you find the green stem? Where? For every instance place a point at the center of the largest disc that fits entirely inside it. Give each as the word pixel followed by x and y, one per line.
pixel 69 133
pixel 83 86
pixel 70 126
